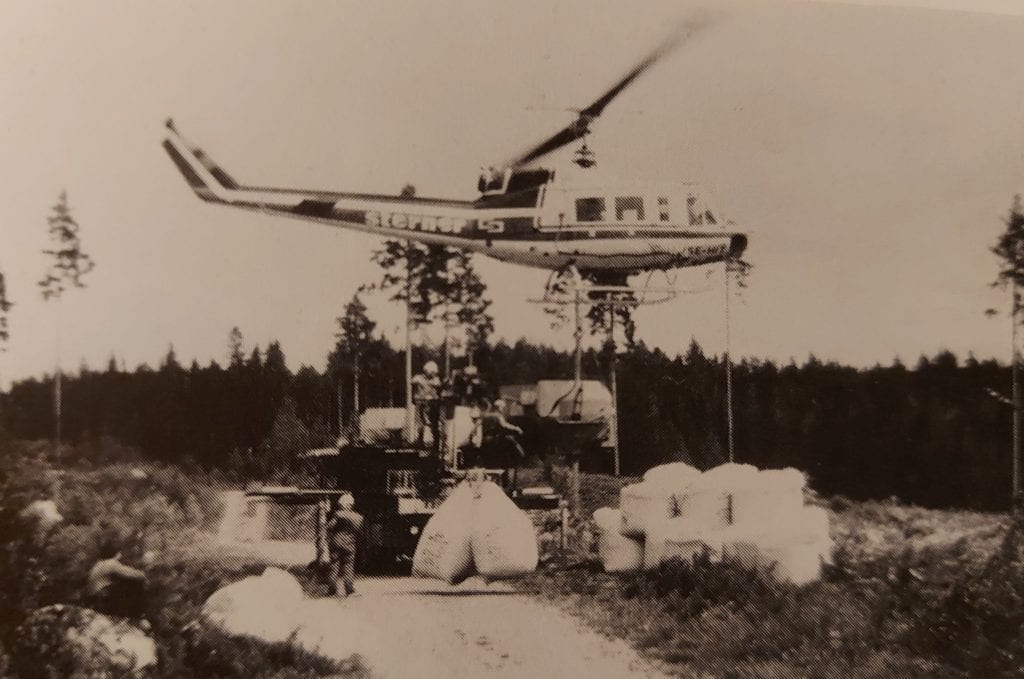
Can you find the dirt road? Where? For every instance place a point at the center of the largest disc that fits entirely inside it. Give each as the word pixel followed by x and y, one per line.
pixel 408 628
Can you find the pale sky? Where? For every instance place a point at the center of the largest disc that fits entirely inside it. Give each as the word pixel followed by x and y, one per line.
pixel 870 152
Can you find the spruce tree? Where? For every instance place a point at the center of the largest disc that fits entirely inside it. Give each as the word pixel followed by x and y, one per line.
pixel 69 263
pixel 1009 248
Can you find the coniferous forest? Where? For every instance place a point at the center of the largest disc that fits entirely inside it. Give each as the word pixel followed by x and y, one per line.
pixel 928 434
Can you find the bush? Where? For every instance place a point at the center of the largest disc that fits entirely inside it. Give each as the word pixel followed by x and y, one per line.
pixel 144 508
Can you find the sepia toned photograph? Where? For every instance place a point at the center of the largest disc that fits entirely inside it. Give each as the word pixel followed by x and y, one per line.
pixel 446 340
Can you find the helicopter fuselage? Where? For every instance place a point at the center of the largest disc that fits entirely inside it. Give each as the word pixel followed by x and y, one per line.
pixel 522 217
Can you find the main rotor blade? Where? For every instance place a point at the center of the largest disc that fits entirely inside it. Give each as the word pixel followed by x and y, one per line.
pixel 581 126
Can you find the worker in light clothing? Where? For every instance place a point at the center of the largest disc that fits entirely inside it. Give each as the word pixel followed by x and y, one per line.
pixel 426 395
pixel 343 531
pixel 113 588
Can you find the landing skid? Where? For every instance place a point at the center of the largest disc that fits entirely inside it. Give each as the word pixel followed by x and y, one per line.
pixel 568 286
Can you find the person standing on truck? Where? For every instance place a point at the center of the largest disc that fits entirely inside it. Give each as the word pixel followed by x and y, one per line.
pixel 426 395
pixel 468 389
pixel 343 531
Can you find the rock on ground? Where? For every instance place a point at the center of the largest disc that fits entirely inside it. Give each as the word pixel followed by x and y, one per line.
pixel 79 642
pixel 266 607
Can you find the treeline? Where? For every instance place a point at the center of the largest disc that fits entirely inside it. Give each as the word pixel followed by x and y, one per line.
pixel 929 435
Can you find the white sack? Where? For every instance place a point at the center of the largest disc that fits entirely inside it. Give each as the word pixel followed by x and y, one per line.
pixel 264 607
pixel 673 473
pixel 707 508
pixel 679 538
pixel 504 542
pixel 643 504
pixel 730 476
pixel 775 495
pixel 444 550
pixel 793 549
pixel 618 553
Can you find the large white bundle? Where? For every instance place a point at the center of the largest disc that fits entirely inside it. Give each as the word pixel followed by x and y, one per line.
pixel 643 504
pixel 709 498
pixel 679 538
pixel 794 549
pixel 729 476
pixel 707 508
pixel 672 474
pixel 265 607
pixel 772 495
pixel 444 550
pixel 504 542
pixel 617 552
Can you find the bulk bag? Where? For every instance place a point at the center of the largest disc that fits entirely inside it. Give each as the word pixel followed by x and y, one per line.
pixel 709 499
pixel 708 508
pixel 678 538
pixel 503 540
pixel 642 504
pixel 673 473
pixel 794 549
pixel 444 550
pixel 775 495
pixel 618 553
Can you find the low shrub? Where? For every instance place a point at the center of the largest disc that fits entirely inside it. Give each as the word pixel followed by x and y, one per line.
pixel 145 508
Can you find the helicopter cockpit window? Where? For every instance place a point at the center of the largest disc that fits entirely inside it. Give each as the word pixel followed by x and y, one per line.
pixel 629 208
pixel 710 217
pixel 663 213
pixel 590 209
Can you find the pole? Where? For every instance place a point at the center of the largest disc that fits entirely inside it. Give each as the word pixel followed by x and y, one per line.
pixel 1015 485
pixel 355 394
pixel 577 356
pixel 408 347
pixel 57 411
pixel 728 363
pixel 615 389
pixel 446 363
pixel 339 389
pixel 57 395
pixel 574 473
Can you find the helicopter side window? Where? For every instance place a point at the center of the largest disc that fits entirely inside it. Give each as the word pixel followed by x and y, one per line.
pixel 590 209
pixel 629 208
pixel 693 213
pixel 663 213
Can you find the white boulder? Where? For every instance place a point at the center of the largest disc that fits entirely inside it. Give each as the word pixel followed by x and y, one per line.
pixel 266 607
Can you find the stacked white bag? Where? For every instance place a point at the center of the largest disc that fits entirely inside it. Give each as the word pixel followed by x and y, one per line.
pixel 733 511
pixel 477 529
pixel 792 544
pixel 618 553
pixel 703 511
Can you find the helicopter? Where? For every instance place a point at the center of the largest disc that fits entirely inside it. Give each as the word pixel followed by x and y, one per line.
pixel 594 238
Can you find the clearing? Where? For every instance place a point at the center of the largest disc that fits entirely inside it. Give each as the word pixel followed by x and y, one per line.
pixel 416 628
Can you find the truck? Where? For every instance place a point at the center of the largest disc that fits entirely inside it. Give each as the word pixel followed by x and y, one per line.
pixel 397 486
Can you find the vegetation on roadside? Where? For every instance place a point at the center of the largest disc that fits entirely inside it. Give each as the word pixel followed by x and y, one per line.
pixel 911 592
pixel 156 513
